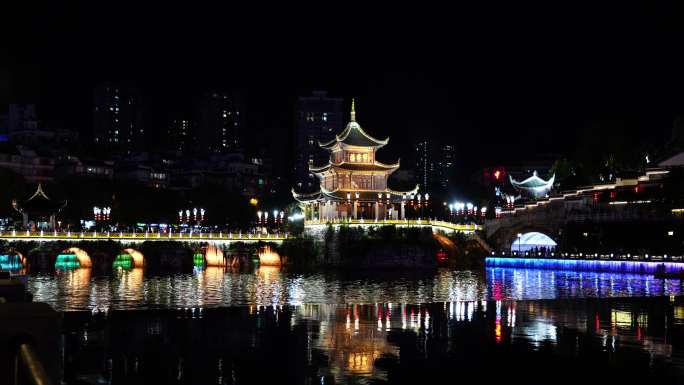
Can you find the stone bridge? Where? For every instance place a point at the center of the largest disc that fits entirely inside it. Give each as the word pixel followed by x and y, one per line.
pixel 76 236
pixel 102 251
pixel 552 217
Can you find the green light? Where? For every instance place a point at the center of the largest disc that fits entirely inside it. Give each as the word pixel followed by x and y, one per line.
pixel 124 261
pixel 67 261
pixel 198 258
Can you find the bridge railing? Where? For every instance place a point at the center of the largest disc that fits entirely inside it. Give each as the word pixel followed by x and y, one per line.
pixel 95 235
pixel 400 222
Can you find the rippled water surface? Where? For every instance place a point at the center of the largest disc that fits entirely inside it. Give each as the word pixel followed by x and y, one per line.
pixel 81 289
pixel 620 340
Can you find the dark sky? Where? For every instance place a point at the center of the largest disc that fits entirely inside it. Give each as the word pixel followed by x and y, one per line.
pixel 500 80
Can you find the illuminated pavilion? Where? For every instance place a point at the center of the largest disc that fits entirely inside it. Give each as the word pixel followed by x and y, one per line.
pixel 533 186
pixel 353 185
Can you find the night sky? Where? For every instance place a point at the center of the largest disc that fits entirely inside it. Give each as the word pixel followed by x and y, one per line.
pixel 501 81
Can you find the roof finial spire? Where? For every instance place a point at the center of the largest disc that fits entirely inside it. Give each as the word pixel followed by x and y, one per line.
pixel 353 111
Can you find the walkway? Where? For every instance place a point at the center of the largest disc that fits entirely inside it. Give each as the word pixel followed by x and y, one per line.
pixel 42 236
pixel 436 225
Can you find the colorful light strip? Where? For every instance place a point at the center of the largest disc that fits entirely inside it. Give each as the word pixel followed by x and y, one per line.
pixel 67 261
pixel 584 265
pixel 124 261
pixel 10 262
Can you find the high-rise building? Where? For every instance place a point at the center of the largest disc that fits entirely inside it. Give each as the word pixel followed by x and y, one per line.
pixel 179 135
pixel 220 117
pixel 118 118
pixel 318 118
pixel 424 165
pixel 24 127
pixel 22 117
pixel 444 166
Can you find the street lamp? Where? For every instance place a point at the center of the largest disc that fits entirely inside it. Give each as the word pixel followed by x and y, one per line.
pixel 519 240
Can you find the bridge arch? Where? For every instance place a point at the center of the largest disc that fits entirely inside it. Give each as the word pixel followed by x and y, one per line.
pixel 524 242
pixel 82 256
pixel 268 256
pixel 12 259
pixel 213 256
pixel 504 238
pixel 130 258
pixel 138 257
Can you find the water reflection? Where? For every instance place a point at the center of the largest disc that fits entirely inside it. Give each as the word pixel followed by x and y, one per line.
pixel 514 283
pixel 618 339
pixel 271 285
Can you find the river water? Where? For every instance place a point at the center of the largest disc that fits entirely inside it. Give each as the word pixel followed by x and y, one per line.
pixel 81 289
pixel 273 326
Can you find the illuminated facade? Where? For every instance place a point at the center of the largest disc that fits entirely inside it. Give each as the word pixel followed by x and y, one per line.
pixel 353 185
pixel 534 186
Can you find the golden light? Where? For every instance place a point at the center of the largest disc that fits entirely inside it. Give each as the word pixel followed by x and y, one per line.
pixel 81 255
pixel 268 257
pixel 253 201
pixel 214 256
pixel 138 258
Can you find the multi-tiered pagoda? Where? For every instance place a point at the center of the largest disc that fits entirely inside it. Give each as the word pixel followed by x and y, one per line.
pixel 353 185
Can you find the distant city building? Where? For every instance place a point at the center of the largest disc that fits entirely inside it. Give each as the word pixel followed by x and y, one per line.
pixel 72 166
pixel 25 128
pixel 22 117
pixel 180 135
pixel 424 165
pixel 118 118
pixel 143 174
pixel 318 118
pixel 232 171
pixel 220 117
pixel 444 166
pixel 35 166
pixel 4 128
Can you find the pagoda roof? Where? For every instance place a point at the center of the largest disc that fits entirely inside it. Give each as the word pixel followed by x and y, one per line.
pixel 306 197
pixel 39 204
pixel 533 183
pixel 341 195
pixel 375 166
pixel 354 135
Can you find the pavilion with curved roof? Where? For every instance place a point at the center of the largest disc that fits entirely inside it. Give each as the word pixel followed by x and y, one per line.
pixel 39 211
pixel 353 184
pixel 534 186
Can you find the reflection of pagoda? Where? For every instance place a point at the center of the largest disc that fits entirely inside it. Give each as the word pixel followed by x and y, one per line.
pixel 39 210
pixel 354 184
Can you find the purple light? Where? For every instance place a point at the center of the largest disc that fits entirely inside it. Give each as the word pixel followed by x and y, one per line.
pixel 584 265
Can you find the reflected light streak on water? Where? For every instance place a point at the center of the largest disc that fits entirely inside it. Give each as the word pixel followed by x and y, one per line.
pixel 80 289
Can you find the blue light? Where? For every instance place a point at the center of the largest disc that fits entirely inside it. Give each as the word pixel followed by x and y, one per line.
pixel 584 265
pixel 10 262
